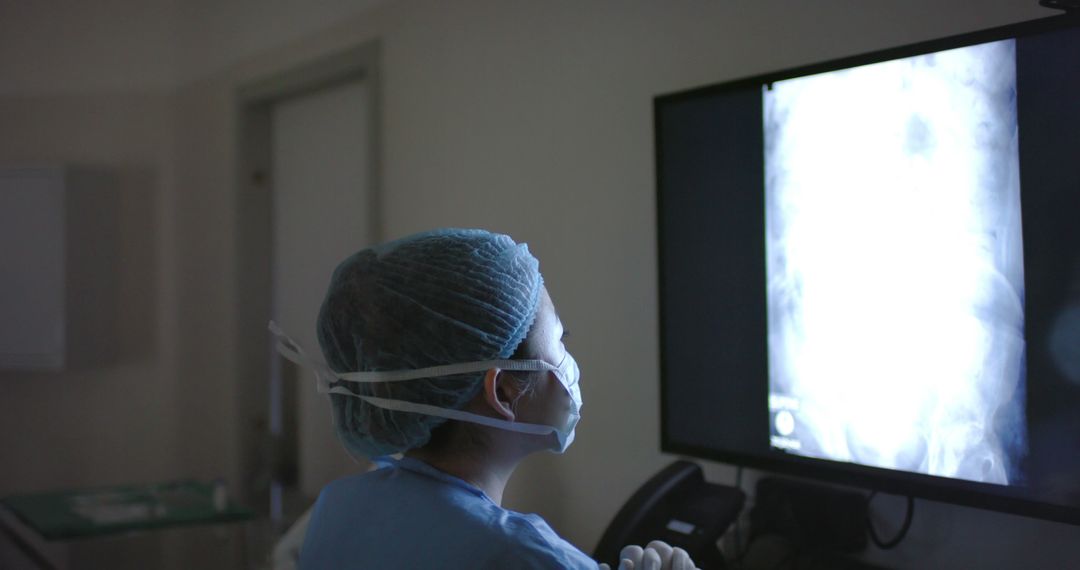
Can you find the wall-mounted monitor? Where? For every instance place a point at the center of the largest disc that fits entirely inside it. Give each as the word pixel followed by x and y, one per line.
pixel 870 270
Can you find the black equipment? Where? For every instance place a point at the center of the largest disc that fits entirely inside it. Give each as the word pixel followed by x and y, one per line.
pixel 678 507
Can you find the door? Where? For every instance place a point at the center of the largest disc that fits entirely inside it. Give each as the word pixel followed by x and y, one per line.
pixel 320 215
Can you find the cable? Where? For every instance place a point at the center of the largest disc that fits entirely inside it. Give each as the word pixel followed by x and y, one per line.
pixel 739 551
pixel 887 544
pixel 1070 7
pixel 738 530
pixel 790 558
pixel 749 545
pixel 743 550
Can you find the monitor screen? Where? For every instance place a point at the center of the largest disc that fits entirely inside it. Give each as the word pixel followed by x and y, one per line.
pixel 870 270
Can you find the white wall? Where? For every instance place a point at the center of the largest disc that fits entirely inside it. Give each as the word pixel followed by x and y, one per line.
pixel 115 423
pixel 532 119
pixel 212 35
pixel 70 46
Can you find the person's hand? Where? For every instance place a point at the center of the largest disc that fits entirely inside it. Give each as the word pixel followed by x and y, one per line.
pixel 657 555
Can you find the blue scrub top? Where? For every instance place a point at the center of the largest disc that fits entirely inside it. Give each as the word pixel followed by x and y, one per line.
pixel 411 515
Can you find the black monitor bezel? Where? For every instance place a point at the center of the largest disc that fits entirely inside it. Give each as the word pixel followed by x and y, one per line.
pixel 965 493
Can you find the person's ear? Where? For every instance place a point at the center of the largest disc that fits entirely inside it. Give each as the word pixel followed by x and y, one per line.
pixel 497 393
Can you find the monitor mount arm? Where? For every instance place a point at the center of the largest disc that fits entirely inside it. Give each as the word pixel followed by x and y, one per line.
pixel 1068 6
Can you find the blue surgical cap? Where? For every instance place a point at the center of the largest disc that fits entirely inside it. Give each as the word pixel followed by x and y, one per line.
pixel 439 297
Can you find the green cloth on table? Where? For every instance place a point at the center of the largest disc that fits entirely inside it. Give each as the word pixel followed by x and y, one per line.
pixel 83 513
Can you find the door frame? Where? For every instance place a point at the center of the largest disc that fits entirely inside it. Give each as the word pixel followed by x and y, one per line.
pixel 254 101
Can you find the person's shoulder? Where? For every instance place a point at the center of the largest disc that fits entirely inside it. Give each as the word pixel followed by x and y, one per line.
pixel 531 543
pixel 380 475
pixel 349 481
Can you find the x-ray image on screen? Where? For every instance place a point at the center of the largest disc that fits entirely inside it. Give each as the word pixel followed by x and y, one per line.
pixel 895 265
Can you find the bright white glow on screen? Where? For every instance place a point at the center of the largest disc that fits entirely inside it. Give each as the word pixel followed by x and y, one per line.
pixel 895 274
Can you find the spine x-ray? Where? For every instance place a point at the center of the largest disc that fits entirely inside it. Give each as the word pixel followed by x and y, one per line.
pixel 895 275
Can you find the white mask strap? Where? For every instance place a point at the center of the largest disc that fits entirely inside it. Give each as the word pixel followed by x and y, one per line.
pixel 288 348
pixel 446 370
pixel 448 413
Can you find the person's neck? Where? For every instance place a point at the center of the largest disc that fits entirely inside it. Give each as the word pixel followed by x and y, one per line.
pixel 489 473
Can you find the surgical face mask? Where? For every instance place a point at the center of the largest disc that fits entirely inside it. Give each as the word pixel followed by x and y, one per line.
pixel 569 375
pixel 567 372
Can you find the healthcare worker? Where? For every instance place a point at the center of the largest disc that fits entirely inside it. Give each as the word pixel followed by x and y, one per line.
pixel 444 347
